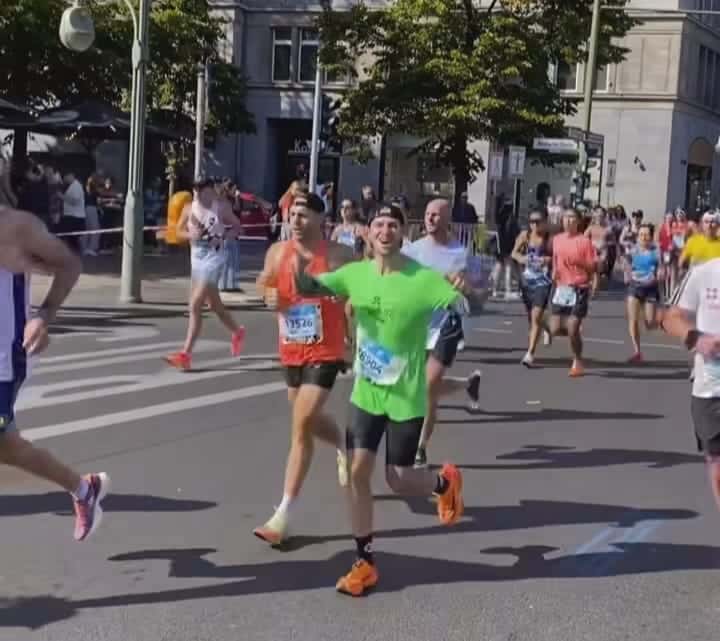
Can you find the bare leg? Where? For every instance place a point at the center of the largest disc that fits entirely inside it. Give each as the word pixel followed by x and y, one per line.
pixel 197 300
pixel 576 344
pixel 558 326
pixel 434 373
pixel 17 452
pixel 308 403
pixel 359 492
pixel 713 469
pixel 633 312
pixel 217 306
pixel 536 325
pixel 651 321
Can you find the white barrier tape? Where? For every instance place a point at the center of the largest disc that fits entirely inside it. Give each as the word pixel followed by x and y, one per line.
pixel 118 230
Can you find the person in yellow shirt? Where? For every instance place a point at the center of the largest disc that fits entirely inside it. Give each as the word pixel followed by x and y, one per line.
pixel 704 246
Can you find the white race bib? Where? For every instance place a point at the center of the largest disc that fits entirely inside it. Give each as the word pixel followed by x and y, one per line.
pixel 302 324
pixel 712 371
pixel 378 364
pixel 564 296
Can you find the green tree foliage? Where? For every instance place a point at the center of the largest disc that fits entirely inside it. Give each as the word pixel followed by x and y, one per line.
pixel 38 70
pixel 453 71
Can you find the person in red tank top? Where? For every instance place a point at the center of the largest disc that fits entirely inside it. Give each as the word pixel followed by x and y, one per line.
pixel 312 334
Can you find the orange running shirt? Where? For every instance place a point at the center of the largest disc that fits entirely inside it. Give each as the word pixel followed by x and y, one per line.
pixel 312 330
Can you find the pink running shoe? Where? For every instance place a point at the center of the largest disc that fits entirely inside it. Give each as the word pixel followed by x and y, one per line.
pixel 237 341
pixel 88 512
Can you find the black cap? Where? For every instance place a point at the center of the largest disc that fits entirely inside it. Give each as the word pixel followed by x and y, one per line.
pixel 391 211
pixel 310 201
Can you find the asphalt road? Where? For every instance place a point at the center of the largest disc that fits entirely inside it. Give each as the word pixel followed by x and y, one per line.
pixel 587 513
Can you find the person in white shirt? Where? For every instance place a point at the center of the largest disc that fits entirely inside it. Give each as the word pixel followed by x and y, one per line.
pixel 695 318
pixel 73 209
pixel 439 251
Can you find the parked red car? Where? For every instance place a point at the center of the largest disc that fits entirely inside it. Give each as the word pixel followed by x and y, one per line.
pixel 254 214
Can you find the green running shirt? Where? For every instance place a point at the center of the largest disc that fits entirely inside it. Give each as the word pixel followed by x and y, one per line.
pixel 393 313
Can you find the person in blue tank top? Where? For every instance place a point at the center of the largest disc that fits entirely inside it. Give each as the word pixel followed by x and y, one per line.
pixel 642 270
pixel 27 246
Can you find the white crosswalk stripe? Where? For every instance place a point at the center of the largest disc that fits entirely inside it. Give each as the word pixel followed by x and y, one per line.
pixel 92 377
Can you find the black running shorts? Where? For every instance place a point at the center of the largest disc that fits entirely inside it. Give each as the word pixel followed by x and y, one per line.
pixel 451 334
pixel 320 374
pixel 706 419
pixel 365 431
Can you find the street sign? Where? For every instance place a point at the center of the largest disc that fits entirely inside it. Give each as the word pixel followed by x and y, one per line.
pixel 516 158
pixel 496 162
pixel 556 145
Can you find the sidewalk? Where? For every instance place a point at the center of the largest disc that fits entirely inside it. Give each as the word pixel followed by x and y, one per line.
pixel 166 281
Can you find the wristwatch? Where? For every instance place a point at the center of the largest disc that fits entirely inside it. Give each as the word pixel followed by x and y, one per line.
pixel 691 339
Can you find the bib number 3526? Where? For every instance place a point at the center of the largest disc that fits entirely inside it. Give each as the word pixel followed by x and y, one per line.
pixel 302 324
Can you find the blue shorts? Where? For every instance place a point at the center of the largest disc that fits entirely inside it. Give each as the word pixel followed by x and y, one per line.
pixel 8 395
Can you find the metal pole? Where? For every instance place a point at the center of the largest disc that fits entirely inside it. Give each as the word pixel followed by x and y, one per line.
pixel 200 116
pixel 590 71
pixel 315 142
pixel 131 275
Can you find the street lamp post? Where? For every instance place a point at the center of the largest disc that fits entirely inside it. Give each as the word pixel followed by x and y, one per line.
pixel 590 72
pixel 76 34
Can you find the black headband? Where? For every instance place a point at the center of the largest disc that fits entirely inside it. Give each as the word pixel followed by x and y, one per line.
pixel 389 211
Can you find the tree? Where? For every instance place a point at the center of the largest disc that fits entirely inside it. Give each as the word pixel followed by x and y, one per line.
pixel 452 71
pixel 38 70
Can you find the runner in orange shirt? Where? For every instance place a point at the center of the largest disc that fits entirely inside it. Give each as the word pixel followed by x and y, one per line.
pixel 574 267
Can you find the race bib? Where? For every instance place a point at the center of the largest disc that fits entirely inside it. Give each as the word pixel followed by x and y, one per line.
pixel 679 241
pixel 564 296
pixel 378 364
pixel 302 324
pixel 712 371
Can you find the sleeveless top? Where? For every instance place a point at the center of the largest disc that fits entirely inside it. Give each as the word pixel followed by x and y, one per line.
pixel 536 273
pixel 15 308
pixel 346 236
pixel 209 222
pixel 312 330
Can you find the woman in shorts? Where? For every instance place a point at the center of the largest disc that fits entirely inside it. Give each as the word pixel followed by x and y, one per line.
pixel 642 269
pixel 533 253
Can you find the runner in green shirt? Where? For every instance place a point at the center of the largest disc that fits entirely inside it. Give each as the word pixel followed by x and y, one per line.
pixel 393 298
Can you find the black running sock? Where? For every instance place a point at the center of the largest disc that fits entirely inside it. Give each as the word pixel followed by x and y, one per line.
pixel 441 485
pixel 364 548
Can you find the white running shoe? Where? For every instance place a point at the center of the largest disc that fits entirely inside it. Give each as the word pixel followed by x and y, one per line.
pixel 275 531
pixel 528 360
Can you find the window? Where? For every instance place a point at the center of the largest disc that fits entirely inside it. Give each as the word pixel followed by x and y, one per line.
pixel 567 76
pixel 282 54
pixel 601 79
pixel 309 45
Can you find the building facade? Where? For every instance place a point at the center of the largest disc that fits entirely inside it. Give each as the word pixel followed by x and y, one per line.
pixel 658 113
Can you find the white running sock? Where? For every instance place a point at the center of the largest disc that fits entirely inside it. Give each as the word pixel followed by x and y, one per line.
pixel 82 491
pixel 285 504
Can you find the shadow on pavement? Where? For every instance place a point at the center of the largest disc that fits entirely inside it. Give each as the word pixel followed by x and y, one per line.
pixel 398 572
pixel 496 518
pixel 591 364
pixel 554 457
pixel 680 375
pixel 60 503
pixel 544 414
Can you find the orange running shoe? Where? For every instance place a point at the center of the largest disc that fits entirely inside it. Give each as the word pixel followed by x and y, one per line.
pixel 363 576
pixel 450 506
pixel 237 341
pixel 179 360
